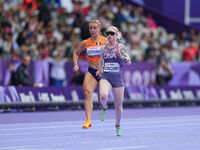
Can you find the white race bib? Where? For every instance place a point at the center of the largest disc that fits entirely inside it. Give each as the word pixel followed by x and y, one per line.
pixel 111 67
pixel 94 51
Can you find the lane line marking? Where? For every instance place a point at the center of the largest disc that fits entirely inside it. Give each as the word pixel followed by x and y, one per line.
pixel 136 119
pixel 92 130
pixel 132 147
pixel 106 122
pixel 15 147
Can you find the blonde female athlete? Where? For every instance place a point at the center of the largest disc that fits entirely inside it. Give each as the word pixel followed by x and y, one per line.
pixel 113 55
pixel 92 46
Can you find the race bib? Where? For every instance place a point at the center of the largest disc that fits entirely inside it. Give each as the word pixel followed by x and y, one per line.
pixel 111 67
pixel 94 51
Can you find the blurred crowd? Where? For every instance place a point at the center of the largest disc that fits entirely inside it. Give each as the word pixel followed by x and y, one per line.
pixel 54 28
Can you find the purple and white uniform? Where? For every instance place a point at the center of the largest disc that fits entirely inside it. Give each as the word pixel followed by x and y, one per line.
pixel 113 64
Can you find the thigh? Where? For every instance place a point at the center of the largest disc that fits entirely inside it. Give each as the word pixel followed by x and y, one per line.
pixel 118 94
pixel 104 87
pixel 89 83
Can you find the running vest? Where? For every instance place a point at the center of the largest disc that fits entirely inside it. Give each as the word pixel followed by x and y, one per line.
pixel 112 61
pixel 93 49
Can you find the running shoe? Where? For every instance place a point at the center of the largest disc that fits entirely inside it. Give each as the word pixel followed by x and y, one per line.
pixel 103 114
pixel 118 130
pixel 87 124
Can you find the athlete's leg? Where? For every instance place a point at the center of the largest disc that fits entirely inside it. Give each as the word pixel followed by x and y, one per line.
pixel 118 96
pixel 104 87
pixel 89 85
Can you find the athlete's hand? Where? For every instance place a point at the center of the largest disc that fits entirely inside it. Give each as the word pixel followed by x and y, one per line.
pixel 76 68
pixel 126 58
pixel 98 73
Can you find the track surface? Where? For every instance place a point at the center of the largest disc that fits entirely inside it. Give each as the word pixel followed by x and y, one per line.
pixel 143 129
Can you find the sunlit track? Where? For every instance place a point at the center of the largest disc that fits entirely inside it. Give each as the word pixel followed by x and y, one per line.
pixel 136 120
pixel 181 122
pixel 142 133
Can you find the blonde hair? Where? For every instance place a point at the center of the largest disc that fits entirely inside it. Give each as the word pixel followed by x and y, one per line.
pixel 95 21
pixel 119 34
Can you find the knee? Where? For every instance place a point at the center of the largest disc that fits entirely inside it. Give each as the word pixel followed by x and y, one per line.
pixel 119 108
pixel 87 93
pixel 103 96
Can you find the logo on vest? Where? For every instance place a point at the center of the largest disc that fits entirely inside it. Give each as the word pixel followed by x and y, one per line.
pixel 109 56
pixel 98 43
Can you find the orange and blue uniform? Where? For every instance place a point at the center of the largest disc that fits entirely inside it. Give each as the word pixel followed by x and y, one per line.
pixel 93 49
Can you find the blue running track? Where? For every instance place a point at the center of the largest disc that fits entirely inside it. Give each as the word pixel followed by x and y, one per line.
pixel 143 129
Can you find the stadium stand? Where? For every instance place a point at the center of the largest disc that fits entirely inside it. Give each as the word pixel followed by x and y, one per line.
pixel 45 29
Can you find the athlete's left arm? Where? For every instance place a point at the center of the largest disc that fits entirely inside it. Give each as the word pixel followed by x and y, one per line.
pixel 123 54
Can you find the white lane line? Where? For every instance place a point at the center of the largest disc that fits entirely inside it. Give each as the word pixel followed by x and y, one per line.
pixel 15 147
pixel 97 123
pixel 32 128
pixel 135 119
pixel 33 147
pixel 124 148
pixel 35 139
pixel 94 129
pixel 68 144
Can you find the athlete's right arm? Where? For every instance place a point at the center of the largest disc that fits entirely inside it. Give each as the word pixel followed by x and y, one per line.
pixel 101 63
pixel 76 53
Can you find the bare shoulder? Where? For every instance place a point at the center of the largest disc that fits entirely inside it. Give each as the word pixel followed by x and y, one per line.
pixel 102 48
pixel 105 41
pixel 83 43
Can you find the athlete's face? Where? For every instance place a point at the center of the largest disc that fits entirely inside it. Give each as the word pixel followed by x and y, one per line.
pixel 111 34
pixel 94 29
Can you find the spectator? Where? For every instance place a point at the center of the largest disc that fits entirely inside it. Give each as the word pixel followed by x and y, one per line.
pixel 58 74
pixel 29 25
pixel 37 27
pixel 150 22
pixel 22 74
pixel 12 74
pixel 190 53
pixel 163 70
pixel 10 77
pixel 149 51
